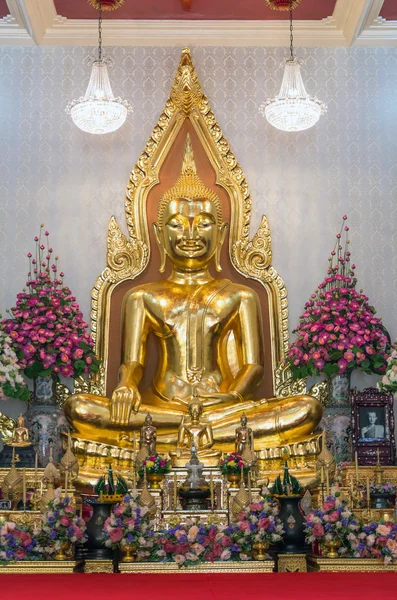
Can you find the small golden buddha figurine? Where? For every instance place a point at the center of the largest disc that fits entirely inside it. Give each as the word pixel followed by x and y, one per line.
pixel 20 437
pixel 148 435
pixel 203 325
pixel 147 440
pixel 195 430
pixel 245 441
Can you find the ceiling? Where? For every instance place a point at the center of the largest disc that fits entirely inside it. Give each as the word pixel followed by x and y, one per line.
pixel 4 11
pixel 389 10
pixel 199 23
pixel 196 9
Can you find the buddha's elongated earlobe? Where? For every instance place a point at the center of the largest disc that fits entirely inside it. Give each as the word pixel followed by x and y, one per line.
pixel 158 233
pixel 222 236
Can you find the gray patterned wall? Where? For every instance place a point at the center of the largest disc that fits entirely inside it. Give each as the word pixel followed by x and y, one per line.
pixel 52 173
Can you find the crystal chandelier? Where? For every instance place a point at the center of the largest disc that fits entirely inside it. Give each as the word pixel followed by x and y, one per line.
pixel 98 111
pixel 292 109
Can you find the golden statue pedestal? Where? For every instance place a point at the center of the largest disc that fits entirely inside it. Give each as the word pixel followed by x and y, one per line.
pixel 302 457
pixel 46 567
pixel 210 458
pixel 252 566
pixel 99 565
pixel 347 565
pixel 291 563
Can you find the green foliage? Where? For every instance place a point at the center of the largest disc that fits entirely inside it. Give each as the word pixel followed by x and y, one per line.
pixel 122 486
pixel 288 486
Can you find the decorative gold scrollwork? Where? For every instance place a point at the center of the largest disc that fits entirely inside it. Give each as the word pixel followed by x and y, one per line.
pixel 256 254
pixel 321 392
pixel 124 257
pixel 7 426
pixel 286 385
pixel 95 386
pixel 186 92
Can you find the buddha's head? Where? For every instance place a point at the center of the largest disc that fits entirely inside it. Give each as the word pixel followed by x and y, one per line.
pixel 189 228
pixel 243 420
pixel 148 419
pixel 195 408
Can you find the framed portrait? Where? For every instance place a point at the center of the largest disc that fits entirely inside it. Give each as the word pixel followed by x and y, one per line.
pixel 373 426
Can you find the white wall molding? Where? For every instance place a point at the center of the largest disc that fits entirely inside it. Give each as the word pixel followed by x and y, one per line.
pixel 380 33
pixel 39 16
pixel 196 33
pixel 354 22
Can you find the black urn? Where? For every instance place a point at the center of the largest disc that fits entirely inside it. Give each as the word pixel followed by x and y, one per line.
pixel 292 519
pixel 94 547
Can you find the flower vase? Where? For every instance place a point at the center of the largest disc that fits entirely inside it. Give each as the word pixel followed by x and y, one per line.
pixel 65 552
pixel 129 552
pixel 332 548
pixel 45 420
pixel 337 418
pixel 259 550
pixel 95 543
pixel 234 479
pixel 291 516
pixel 155 480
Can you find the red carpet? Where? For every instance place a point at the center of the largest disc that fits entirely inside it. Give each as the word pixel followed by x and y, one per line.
pixel 186 586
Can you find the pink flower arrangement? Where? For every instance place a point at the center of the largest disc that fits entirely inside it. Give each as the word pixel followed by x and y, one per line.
pixel 332 521
pixel 375 540
pixel 338 330
pixel 46 327
pixel 260 523
pixel 231 464
pixel 190 544
pixel 128 523
pixel 61 523
pixel 18 542
pixel 155 464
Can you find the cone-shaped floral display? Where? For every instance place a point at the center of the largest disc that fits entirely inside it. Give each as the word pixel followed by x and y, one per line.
pixel 339 330
pixel 46 328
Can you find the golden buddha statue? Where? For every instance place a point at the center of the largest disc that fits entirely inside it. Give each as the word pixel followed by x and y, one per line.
pixel 147 441
pixel 244 436
pixel 195 430
pixel 148 436
pixel 203 324
pixel 20 436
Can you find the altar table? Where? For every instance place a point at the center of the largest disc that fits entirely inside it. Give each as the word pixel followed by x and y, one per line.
pixel 191 586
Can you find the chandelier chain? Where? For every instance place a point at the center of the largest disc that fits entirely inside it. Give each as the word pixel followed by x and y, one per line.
pixel 100 32
pixel 291 35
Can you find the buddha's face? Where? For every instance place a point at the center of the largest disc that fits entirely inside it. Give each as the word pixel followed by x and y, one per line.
pixel 190 233
pixel 195 410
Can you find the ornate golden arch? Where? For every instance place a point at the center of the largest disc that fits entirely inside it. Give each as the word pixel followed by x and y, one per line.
pixel 128 258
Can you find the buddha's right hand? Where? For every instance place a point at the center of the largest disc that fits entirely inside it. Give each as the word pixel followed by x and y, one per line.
pixel 124 400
